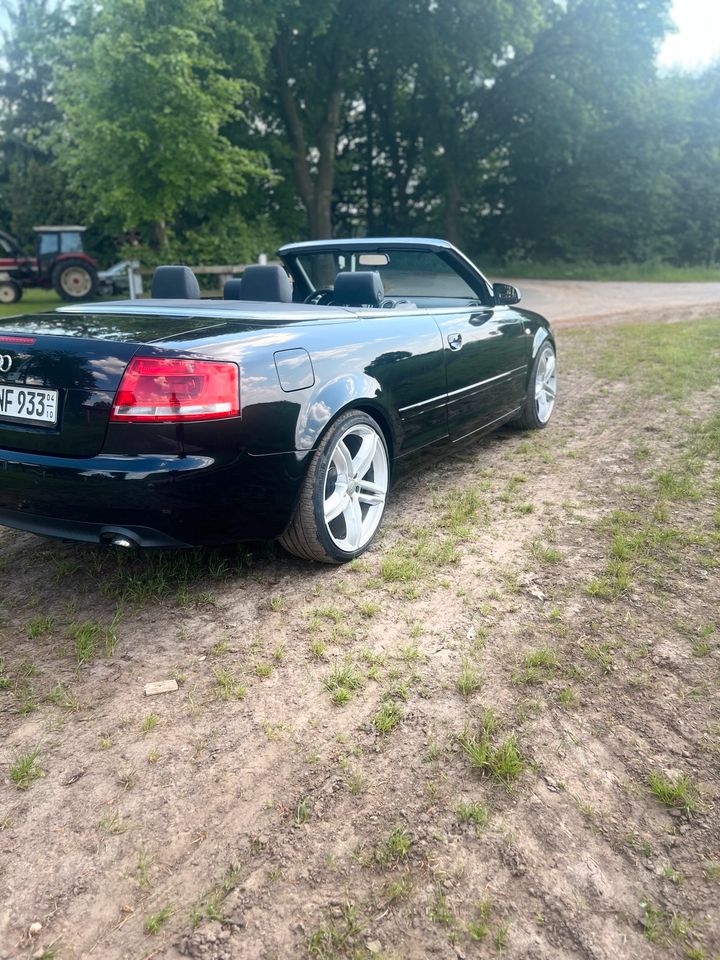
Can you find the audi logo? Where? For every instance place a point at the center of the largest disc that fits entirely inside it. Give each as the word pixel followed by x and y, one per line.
pixel 5 362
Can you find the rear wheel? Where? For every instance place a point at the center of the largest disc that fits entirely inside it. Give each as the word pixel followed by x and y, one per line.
pixel 542 390
pixel 75 280
pixel 10 292
pixel 342 500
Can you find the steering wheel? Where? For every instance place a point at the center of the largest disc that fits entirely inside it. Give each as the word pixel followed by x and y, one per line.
pixel 323 295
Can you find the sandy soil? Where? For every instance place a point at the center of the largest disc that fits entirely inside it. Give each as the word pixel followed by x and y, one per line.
pixel 247 815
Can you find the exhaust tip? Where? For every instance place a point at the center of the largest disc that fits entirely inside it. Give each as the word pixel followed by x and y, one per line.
pixel 121 542
pixel 118 538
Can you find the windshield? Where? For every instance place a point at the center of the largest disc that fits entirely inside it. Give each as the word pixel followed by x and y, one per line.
pixel 404 273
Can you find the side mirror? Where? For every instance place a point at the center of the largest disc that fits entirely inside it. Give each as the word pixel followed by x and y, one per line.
pixel 505 294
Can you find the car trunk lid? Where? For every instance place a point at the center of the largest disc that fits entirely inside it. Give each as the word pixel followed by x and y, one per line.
pixel 68 370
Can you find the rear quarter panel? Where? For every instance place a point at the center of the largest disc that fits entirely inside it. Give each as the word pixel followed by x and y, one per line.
pixel 384 362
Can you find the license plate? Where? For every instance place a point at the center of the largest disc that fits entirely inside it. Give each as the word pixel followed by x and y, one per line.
pixel 28 405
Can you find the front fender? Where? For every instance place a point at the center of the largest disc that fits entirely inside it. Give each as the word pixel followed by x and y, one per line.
pixel 541 335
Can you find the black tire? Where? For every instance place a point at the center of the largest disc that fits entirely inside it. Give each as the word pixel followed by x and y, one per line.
pixel 75 280
pixel 10 292
pixel 309 535
pixel 530 417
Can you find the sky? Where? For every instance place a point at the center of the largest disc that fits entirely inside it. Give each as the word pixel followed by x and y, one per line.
pixel 697 42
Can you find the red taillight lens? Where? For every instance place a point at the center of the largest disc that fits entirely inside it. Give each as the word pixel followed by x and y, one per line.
pixel 166 390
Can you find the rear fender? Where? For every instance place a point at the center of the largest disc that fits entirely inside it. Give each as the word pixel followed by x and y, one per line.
pixel 75 256
pixel 337 396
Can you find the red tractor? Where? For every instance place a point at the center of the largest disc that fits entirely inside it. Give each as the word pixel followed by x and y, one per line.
pixel 60 264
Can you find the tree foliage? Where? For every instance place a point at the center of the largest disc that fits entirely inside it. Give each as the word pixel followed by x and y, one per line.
pixel 519 128
pixel 144 107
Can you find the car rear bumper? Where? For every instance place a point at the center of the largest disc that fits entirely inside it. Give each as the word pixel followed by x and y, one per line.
pixel 154 500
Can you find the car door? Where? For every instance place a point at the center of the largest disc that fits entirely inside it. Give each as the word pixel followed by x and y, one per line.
pixel 486 354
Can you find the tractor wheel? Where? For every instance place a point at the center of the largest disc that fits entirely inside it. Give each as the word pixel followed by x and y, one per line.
pixel 75 280
pixel 10 292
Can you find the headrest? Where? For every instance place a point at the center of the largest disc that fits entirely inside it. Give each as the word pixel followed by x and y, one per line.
pixel 231 290
pixel 361 289
pixel 174 283
pixel 262 282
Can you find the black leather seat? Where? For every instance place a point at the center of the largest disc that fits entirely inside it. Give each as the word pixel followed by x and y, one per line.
pixel 361 289
pixel 260 282
pixel 174 283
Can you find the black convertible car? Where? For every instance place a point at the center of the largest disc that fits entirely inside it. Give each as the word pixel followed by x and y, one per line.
pixel 282 410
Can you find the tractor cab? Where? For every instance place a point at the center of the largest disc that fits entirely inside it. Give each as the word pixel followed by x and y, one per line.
pixel 60 263
pixel 54 240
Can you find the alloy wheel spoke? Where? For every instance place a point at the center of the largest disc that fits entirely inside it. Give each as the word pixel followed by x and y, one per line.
pixel 335 504
pixel 370 487
pixel 371 498
pixel 352 515
pixel 343 461
pixel 366 454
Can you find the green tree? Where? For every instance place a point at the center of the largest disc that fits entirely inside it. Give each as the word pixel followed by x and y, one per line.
pixel 146 103
pixel 32 189
pixel 583 175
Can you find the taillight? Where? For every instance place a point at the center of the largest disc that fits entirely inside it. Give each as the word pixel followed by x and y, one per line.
pixel 162 389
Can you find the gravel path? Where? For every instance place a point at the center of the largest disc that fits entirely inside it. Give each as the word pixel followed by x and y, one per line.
pixel 569 303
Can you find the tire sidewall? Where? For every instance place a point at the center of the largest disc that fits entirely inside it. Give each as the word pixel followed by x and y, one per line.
pixel 15 288
pixel 323 456
pixel 64 265
pixel 531 408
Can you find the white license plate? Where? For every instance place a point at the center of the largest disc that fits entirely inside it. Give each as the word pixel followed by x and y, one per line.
pixel 28 405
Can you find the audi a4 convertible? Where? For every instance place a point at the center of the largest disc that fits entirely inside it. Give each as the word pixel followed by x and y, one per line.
pixel 282 410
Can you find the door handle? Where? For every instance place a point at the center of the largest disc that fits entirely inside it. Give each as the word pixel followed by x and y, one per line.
pixel 455 341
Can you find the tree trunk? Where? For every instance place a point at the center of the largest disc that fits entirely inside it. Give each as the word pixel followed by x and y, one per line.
pixel 161 234
pixel 316 194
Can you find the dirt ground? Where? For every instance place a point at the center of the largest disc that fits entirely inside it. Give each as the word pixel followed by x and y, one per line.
pixel 497 734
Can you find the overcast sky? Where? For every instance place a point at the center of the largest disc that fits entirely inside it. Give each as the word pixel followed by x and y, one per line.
pixel 697 42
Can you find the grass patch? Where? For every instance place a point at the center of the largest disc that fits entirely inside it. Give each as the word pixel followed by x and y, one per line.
pixel 387 717
pixel 88 637
pixel 228 687
pixel 156 921
pixel 538 666
pixel 680 793
pixel 33 301
pixel 671 360
pixel 26 770
pixel 469 679
pixel 342 682
pixel 474 813
pixel 395 848
pixel 336 939
pixel 503 762
pixel 210 907
pixel 649 271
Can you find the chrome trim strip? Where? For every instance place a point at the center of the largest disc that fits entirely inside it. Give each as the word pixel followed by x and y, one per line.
pixel 442 396
pixel 454 393
pixel 481 383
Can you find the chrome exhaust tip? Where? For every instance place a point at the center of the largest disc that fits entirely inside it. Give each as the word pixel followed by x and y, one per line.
pixel 118 538
pixel 119 541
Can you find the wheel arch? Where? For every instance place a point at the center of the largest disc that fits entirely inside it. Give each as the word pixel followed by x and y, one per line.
pixel 341 396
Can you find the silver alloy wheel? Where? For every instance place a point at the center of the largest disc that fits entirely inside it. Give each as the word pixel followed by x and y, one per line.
pixel 545 383
pixel 356 483
pixel 76 282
